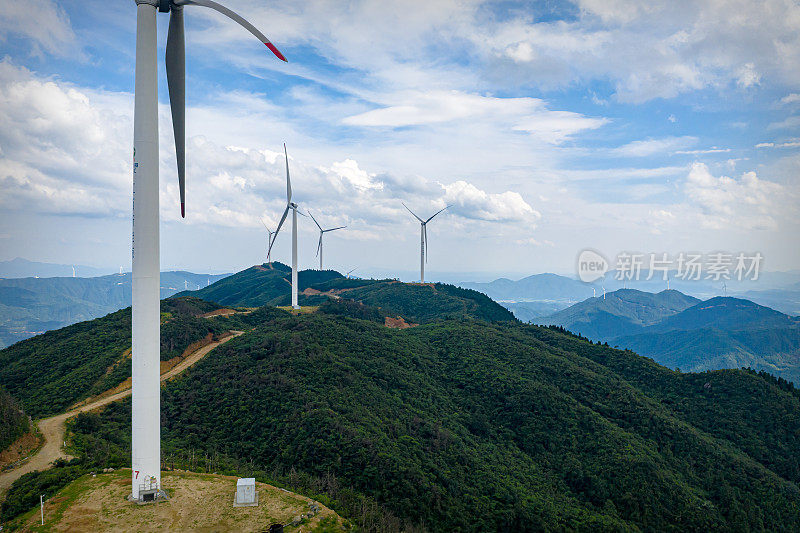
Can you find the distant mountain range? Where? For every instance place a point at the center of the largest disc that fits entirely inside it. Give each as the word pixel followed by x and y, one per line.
pixel 29 306
pixel 540 295
pixel 22 268
pixel 681 331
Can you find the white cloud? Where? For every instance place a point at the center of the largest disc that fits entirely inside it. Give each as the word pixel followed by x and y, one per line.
pixel 650 147
pixel 790 99
pixel 62 153
pixel 470 202
pixel 787 123
pixel 747 202
pixel 42 22
pixel 794 143
pixel 746 76
pixel 530 115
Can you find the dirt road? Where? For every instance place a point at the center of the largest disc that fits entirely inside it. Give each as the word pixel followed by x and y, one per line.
pixel 53 428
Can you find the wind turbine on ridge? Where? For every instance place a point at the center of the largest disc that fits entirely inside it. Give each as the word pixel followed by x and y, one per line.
pixel 423 239
pixel 146 399
pixel 269 242
pixel 293 206
pixel 321 233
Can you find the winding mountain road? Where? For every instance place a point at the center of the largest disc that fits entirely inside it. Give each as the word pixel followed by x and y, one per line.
pixel 53 428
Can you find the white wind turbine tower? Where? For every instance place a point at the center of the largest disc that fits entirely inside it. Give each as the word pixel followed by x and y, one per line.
pixel 321 233
pixel 146 401
pixel 270 233
pixel 423 240
pixel 73 271
pixel 293 206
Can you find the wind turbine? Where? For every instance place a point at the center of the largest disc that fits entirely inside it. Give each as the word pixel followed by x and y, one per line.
pixel 724 289
pixel 350 272
pixel 594 292
pixel 293 206
pixel 423 240
pixel 73 271
pixel 321 233
pixel 270 233
pixel 146 402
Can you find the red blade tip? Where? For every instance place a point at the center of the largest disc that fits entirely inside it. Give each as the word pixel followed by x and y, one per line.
pixel 183 210
pixel 276 51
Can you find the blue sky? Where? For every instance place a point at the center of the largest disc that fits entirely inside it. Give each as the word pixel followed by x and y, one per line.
pixel 549 127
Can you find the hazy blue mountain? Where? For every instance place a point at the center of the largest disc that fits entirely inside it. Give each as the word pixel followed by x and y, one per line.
pixel 29 306
pixel 621 312
pixel 783 300
pixel 530 311
pixel 538 287
pixel 725 313
pixel 22 268
pixel 680 331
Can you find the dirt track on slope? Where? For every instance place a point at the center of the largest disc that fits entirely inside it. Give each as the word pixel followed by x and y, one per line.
pixel 53 428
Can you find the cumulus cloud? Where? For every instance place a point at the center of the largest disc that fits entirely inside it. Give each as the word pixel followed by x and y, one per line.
pixel 66 150
pixel 60 151
pixel 470 202
pixel 748 202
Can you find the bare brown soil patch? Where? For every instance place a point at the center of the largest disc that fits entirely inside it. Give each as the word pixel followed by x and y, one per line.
pixel 398 323
pixel 20 449
pixel 219 312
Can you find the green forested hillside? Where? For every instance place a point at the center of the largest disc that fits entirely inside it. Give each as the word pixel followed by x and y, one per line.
pixel 50 372
pixel 472 425
pixel 267 284
pixel 13 420
pixel 261 285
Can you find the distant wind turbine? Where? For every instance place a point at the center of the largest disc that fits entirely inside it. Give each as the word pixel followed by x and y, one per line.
pixel 594 292
pixel 321 233
pixel 604 292
pixel 724 288
pixel 423 240
pixel 350 272
pixel 270 233
pixel 293 206
pixel 73 271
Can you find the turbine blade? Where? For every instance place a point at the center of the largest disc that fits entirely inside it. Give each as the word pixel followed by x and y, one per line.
pixel 175 61
pixel 436 213
pixel 275 235
pixel 237 18
pixel 288 180
pixel 319 246
pixel 334 229
pixel 425 233
pixel 264 224
pixel 315 220
pixel 410 211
